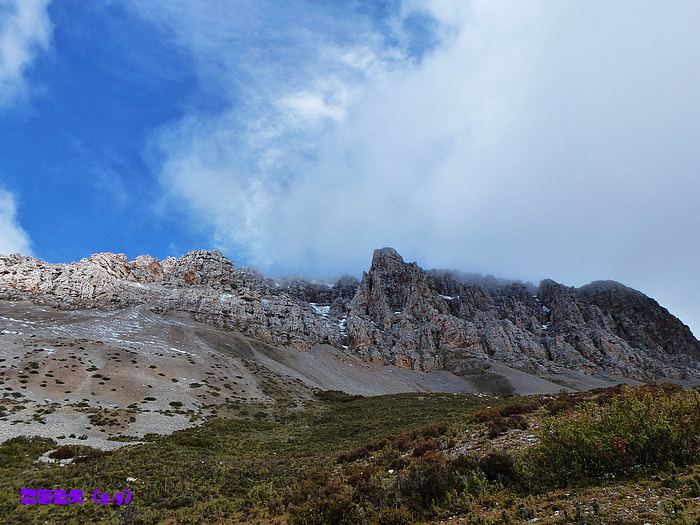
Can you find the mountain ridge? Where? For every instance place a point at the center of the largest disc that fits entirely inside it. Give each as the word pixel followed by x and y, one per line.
pixel 396 314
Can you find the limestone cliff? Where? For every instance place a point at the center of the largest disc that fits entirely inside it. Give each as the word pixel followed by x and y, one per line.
pixel 398 313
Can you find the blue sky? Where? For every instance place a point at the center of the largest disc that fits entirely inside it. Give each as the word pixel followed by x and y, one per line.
pixel 526 140
pixel 75 149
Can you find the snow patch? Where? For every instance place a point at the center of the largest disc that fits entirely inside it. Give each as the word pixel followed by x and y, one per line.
pixel 320 310
pixel 13 320
pixel 179 351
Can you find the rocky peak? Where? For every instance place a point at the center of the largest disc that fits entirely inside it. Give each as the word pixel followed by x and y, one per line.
pixel 561 303
pixel 639 319
pixel 206 268
pixel 108 279
pixel 392 285
pixel 397 314
pixel 386 259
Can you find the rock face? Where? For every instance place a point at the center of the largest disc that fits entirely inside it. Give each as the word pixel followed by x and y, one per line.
pixel 406 316
pixel 203 283
pixel 398 314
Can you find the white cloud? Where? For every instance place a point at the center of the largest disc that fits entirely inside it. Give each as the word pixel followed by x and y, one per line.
pixel 537 139
pixel 25 30
pixel 310 106
pixel 13 239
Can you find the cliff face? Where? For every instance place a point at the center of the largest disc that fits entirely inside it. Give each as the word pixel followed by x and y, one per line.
pixel 435 320
pixel 202 283
pixel 398 313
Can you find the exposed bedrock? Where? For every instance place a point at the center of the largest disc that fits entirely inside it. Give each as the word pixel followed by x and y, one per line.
pixel 397 314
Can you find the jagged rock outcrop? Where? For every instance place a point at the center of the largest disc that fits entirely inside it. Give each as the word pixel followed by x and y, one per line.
pixel 203 283
pixel 409 317
pixel 398 313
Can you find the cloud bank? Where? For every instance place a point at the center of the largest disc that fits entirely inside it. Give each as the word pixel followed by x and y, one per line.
pixel 25 31
pixel 13 239
pixel 526 140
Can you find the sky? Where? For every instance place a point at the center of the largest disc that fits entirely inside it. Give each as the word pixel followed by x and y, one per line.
pixel 529 140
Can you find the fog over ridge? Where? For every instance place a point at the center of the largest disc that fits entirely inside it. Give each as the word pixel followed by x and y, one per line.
pixel 530 141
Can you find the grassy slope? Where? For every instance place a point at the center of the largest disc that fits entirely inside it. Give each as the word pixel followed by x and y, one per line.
pixel 218 463
pixel 255 469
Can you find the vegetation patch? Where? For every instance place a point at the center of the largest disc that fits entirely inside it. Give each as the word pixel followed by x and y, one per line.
pixel 393 460
pixel 638 431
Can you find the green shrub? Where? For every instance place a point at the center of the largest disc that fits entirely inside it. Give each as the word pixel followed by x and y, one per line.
pixel 400 516
pixel 427 481
pixel 23 450
pixel 498 467
pixel 336 396
pixel 316 485
pixel 433 431
pixel 331 511
pixel 372 487
pixel 638 430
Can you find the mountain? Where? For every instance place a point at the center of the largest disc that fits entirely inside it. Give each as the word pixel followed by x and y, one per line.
pixel 398 314
pixel 106 350
pixel 427 320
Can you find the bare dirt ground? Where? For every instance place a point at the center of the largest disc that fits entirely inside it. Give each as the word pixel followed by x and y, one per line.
pixel 106 379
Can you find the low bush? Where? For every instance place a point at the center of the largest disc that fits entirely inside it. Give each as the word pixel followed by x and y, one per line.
pixel 400 516
pixel 331 511
pixel 519 408
pixel 423 447
pixel 404 442
pixel 62 453
pixel 353 455
pixel 465 464
pixel 432 431
pixel 636 431
pixel 497 427
pixel 486 415
pixel 335 396
pixel 19 451
pixel 501 425
pixel 427 481
pixel 517 421
pixel 558 406
pixel 491 414
pixel 498 467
